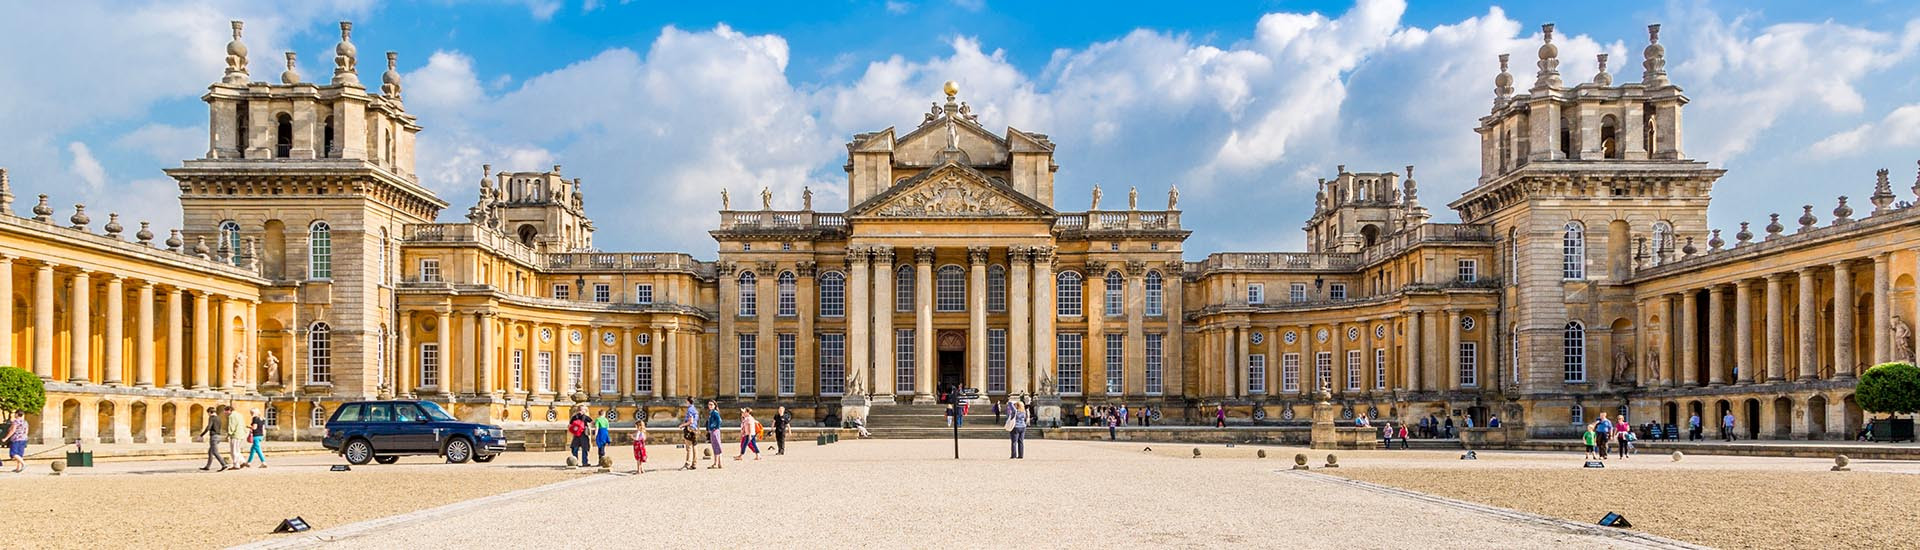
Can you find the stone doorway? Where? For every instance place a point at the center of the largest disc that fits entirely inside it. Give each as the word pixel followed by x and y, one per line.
pixel 952 361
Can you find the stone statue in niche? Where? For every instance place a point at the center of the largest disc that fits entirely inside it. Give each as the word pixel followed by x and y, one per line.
pixel 1623 366
pixel 1653 364
pixel 272 365
pixel 1902 340
pixel 239 369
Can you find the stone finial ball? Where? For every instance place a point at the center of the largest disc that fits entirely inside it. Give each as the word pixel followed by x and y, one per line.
pixel 1841 460
pixel 1262 453
pixel 59 466
pixel 1332 459
pixel 1196 452
pixel 951 87
pixel 1300 459
pixel 1677 456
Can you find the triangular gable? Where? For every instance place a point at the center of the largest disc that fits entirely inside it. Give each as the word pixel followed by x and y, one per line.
pixel 951 190
pixel 950 138
pixel 877 142
pixel 1026 142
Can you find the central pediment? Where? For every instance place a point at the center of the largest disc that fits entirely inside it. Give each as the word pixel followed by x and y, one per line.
pixel 951 190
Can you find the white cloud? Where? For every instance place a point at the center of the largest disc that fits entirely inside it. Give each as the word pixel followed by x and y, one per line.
pixel 85 167
pixel 165 143
pixel 1900 128
pixel 897 7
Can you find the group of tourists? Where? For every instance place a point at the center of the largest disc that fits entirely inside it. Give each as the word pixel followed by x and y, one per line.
pixel 223 422
pixel 695 422
pixel 1604 437
pixel 1116 415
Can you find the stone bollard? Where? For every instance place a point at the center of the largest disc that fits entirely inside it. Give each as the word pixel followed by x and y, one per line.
pixel 606 463
pixel 706 453
pixel 59 467
pixel 1677 456
pixel 1262 453
pixel 573 462
pixel 1333 461
pixel 1300 461
pixel 1196 452
pixel 1840 463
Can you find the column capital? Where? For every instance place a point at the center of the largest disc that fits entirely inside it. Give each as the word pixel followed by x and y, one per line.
pixel 82 272
pixel 1042 254
pixel 976 255
pixel 1743 283
pixel 1096 268
pixel 1018 253
pixel 1136 268
pixel 858 255
pixel 923 255
pixel 1843 263
pixel 144 284
pixel 1808 270
pixel 1777 277
pixel 883 254
pixel 112 277
pixel 805 268
pixel 46 265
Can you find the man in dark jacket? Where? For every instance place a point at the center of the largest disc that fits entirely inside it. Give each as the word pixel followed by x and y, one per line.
pixel 215 429
pixel 781 421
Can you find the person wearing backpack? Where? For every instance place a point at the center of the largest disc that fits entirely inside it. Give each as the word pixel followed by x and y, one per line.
pixel 601 435
pixel 749 435
pixel 577 432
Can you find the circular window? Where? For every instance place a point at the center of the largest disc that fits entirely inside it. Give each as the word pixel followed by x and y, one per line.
pixel 573 336
pixel 1257 338
pixel 1286 412
pixel 1353 333
pixel 1321 336
pixel 608 338
pixel 1290 337
pixel 546 335
pixel 1466 323
pixel 643 338
pixel 1380 331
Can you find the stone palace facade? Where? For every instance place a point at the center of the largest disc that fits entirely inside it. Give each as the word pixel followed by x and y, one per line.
pixel 1582 280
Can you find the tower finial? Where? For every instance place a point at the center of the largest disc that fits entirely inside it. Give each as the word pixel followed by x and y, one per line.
pixel 1549 76
pixel 346 59
pixel 1502 83
pixel 1602 78
pixel 1655 61
pixel 236 58
pixel 6 193
pixel 292 76
pixel 390 80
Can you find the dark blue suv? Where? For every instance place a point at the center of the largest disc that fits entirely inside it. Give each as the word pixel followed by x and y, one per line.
pixel 384 430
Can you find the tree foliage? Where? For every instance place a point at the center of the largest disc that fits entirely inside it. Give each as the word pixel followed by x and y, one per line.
pixel 1892 388
pixel 21 391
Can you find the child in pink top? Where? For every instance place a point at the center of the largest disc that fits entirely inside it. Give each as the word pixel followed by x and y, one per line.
pixel 640 447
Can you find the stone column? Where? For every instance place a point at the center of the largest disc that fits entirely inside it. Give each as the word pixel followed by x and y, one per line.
pixel 1452 350
pixel 1019 335
pixel 80 335
pixel 176 339
pixel 661 388
pixel 590 364
pixel 1842 321
pixel 1776 328
pixel 1669 360
pixel 6 318
pixel 766 357
pixel 142 338
pixel 443 339
pixel 728 290
pixel 1133 358
pixel 924 367
pixel 1716 336
pixel 1689 339
pixel 403 348
pixel 884 306
pixel 1043 314
pixel 1882 308
pixel 1809 348
pixel 977 318
pixel 1414 324
pixel 859 319
pixel 1243 374
pixel 671 377
pixel 1173 366
pixel 485 355
pixel 43 321
pixel 201 341
pixel 805 361
pixel 624 365
pixel 222 349
pixel 1743 331
pixel 112 358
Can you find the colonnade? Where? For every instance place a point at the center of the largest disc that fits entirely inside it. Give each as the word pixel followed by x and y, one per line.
pixel 496 355
pixel 1415 349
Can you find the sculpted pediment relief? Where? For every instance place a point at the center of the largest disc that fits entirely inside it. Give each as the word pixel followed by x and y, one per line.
pixel 950 195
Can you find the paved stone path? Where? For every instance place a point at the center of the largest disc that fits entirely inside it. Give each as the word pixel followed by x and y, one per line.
pixel 911 493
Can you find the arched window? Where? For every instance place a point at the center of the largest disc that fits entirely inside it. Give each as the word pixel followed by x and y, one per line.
pixel 1506 150
pixel 1662 242
pixel 1513 255
pixel 749 305
pixel 386 260
pixel 283 136
pixel 903 288
pixel 1156 295
pixel 1573 252
pixel 833 294
pixel 243 126
pixel 1566 138
pixel 1574 349
pixel 787 301
pixel 319 251
pixel 1609 148
pixel 1116 294
pixel 319 354
pixel 230 238
pixel 1647 121
pixel 328 149
pixel 1067 294
pixel 950 289
pixel 996 289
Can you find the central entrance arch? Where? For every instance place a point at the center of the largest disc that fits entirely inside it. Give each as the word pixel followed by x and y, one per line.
pixel 952 360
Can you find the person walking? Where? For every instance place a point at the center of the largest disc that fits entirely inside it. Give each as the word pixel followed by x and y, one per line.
pixel 996 412
pixel 602 436
pixel 713 432
pixel 1113 426
pixel 1386 434
pixel 1602 432
pixel 640 447
pixel 1017 430
pixel 1726 426
pixel 1626 437
pixel 1693 427
pixel 782 421
pixel 17 440
pixel 689 423
pixel 216 426
pixel 233 434
pixel 749 435
pixel 256 432
pixel 1449 427
pixel 1403 436
pixel 577 427
pixel 1588 438
pixel 1220 415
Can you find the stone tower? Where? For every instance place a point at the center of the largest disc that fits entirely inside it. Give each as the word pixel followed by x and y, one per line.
pixel 1581 184
pixel 315 182
pixel 541 209
pixel 1355 210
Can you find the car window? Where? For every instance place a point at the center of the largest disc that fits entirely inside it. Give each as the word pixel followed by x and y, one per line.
pixel 405 413
pixel 380 412
pixel 435 412
pixel 348 413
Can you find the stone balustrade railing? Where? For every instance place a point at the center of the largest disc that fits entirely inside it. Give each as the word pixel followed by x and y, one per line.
pixel 1101 220
pixel 781 219
pixel 625 261
pixel 494 241
pixel 1281 261
pixel 1425 233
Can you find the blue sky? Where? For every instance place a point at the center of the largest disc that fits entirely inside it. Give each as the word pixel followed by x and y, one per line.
pixel 1243 105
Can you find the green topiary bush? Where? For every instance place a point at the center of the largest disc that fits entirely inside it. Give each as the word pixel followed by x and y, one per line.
pixel 21 391
pixel 1891 388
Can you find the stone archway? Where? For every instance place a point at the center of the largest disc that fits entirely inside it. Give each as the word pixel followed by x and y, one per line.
pixel 1782 418
pixel 137 415
pixel 1817 417
pixel 169 425
pixel 69 420
pixel 103 421
pixel 196 421
pixel 1852 418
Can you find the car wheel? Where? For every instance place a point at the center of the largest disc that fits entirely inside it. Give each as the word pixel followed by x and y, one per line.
pixel 386 459
pixel 459 450
pixel 359 452
pixel 485 458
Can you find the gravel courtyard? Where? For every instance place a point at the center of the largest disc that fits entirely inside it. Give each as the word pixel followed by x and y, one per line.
pixel 912 494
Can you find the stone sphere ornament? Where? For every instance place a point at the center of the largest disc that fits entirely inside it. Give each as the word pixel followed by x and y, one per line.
pixel 1840 463
pixel 1262 453
pixel 1677 456
pixel 1196 452
pixel 1333 461
pixel 1300 461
